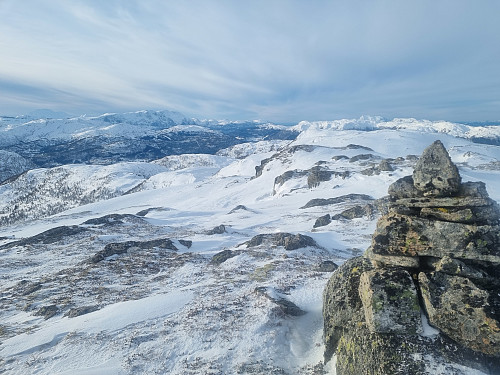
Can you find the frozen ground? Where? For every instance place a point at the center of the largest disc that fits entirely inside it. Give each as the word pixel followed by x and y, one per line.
pixel 172 309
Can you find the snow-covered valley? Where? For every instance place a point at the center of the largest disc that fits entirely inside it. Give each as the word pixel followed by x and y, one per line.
pixel 193 263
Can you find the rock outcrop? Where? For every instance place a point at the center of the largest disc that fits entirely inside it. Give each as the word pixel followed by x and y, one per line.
pixel 434 259
pixel 287 240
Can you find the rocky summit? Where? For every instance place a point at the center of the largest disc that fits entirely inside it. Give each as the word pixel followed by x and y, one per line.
pixel 425 296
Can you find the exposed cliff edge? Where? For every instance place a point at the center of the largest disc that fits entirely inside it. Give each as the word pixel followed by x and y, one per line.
pixel 434 259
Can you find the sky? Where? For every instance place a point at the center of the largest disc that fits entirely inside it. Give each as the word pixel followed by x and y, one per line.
pixel 276 60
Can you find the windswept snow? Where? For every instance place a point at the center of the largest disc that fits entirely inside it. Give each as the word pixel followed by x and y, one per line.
pixel 156 310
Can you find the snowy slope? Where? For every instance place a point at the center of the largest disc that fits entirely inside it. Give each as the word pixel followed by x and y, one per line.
pixel 12 164
pixel 152 308
pixel 131 124
pixel 44 192
pixel 485 134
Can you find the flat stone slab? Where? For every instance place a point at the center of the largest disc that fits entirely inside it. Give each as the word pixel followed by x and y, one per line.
pixel 401 235
pixel 448 202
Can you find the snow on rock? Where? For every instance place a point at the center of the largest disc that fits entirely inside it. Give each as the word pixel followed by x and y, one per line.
pixel 176 312
pixel 176 162
pixel 44 192
pixel 244 150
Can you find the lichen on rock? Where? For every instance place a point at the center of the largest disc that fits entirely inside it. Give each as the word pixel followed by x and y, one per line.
pixel 436 252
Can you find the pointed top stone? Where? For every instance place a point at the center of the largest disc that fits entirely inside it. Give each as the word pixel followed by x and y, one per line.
pixel 435 174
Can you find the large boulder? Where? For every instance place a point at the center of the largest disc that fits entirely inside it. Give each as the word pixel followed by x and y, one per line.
pixel 341 302
pixel 462 311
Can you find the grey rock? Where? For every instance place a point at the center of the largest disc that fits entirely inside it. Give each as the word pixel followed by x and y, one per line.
pixel 447 233
pixel 372 171
pixel 82 310
pixel 47 311
pixel 152 209
pixel 340 157
pixel 460 309
pixel 475 189
pixel 360 351
pixel 352 146
pixel 316 175
pixel 481 215
pixel 337 200
pixel 113 219
pixel 435 174
pixel 288 175
pixel 219 229
pixel 383 261
pixel 322 221
pixel 341 302
pixel 447 202
pixel 403 188
pixel 239 207
pixel 286 306
pixel 402 235
pixel 48 237
pixel 287 240
pixel 454 267
pixel 222 256
pixel 355 212
pixel 361 157
pixel 327 266
pixel 25 287
pixel 390 301
pixel 385 166
pixel 117 248
pixel 186 243
pixel 260 168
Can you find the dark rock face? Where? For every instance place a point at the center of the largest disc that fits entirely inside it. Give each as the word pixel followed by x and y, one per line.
pixel 327 266
pixel 239 207
pixel 357 211
pixel 284 305
pixel 435 252
pixel 48 237
pixel 322 221
pixel 77 311
pixel 222 256
pixel 315 176
pixel 287 240
pixel 342 199
pixel 47 311
pixel 219 229
pixel 113 219
pixel 117 248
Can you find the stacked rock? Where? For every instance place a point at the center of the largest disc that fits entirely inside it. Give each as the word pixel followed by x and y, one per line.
pixel 437 252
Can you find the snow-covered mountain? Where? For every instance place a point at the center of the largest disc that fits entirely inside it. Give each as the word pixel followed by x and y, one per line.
pixel 134 136
pixel 204 263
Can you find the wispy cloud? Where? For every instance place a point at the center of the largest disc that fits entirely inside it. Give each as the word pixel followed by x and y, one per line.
pixel 283 60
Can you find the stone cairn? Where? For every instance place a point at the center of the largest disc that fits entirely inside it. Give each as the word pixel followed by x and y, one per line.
pixel 434 259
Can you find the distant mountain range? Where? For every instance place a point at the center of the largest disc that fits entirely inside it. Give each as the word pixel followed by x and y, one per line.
pixel 151 243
